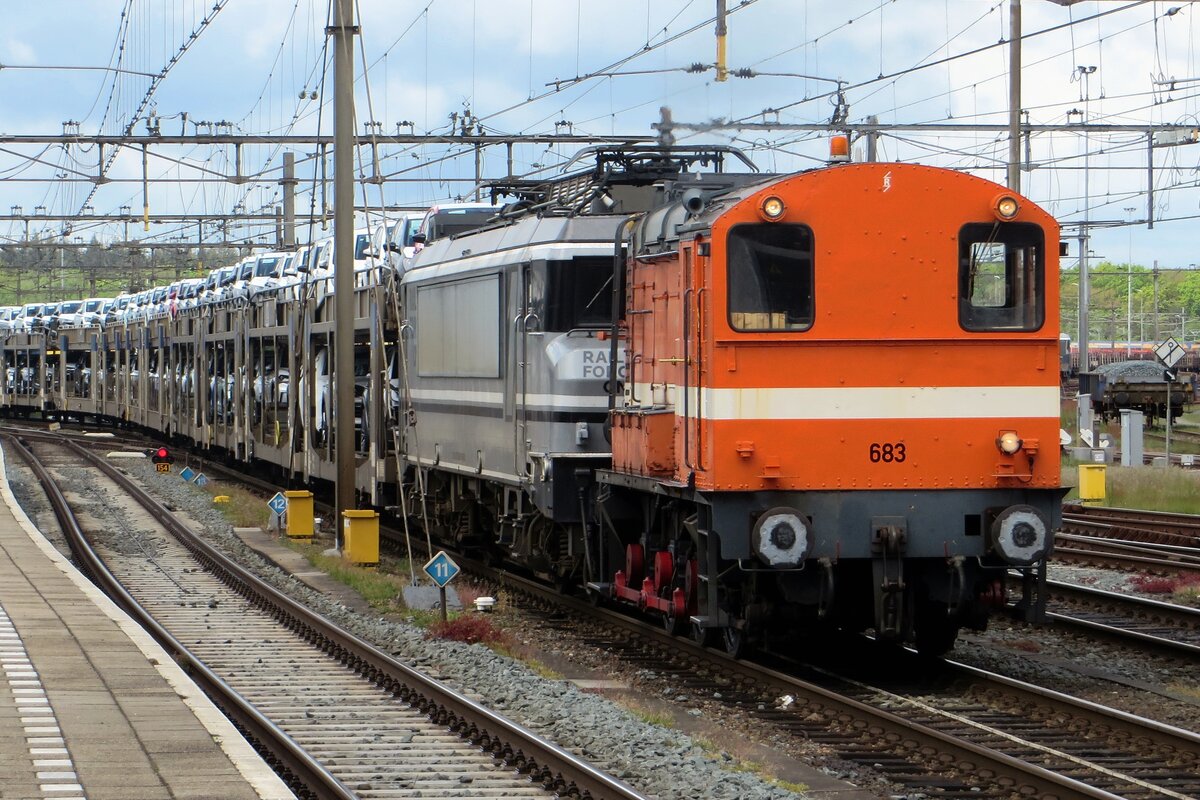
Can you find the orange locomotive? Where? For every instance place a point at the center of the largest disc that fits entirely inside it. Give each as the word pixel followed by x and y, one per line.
pixel 841 406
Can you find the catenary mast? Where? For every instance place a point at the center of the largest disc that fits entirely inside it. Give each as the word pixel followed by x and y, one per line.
pixel 343 31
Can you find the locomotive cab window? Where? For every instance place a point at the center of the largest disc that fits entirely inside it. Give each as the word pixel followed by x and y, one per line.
pixel 1001 277
pixel 770 275
pixel 575 294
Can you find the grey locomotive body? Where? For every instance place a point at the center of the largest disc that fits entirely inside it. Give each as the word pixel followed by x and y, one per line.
pixel 507 368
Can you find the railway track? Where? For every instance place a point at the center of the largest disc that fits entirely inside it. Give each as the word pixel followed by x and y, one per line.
pixel 1167 628
pixel 960 733
pixel 987 737
pixel 1134 525
pixel 337 717
pixel 1178 435
pixel 1129 539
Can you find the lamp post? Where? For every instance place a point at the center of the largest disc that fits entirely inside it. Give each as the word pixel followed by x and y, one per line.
pixel 1129 286
pixel 1070 312
pixel 1155 273
pixel 1084 74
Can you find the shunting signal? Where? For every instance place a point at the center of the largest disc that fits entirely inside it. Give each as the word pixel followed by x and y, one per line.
pixel 162 459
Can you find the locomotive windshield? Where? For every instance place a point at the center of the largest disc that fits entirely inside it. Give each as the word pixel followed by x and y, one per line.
pixel 1001 277
pixel 578 293
pixel 770 269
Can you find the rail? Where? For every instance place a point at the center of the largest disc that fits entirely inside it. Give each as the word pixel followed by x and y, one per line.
pixel 304 768
pixel 1026 779
pixel 1171 629
pixel 546 763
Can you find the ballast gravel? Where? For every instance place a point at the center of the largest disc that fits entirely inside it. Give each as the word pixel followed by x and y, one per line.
pixel 660 762
pixel 1140 682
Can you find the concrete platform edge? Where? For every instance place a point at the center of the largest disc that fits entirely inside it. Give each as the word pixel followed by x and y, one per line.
pixel 261 777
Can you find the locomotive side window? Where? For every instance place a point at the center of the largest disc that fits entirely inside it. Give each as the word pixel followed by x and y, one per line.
pixel 458 328
pixel 1001 277
pixel 578 293
pixel 770 271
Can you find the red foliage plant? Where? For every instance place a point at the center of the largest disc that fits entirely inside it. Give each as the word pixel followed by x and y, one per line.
pixel 1155 584
pixel 469 628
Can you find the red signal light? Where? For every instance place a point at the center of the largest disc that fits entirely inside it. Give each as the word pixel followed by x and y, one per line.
pixel 161 456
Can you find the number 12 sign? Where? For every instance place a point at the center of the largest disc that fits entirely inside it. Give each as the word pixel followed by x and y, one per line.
pixel 441 568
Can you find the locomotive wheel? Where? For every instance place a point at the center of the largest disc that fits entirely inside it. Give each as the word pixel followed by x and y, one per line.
pixel 705 637
pixel 734 640
pixel 634 564
pixel 673 622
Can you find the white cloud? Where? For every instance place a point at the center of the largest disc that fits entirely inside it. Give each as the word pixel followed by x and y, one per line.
pixel 14 51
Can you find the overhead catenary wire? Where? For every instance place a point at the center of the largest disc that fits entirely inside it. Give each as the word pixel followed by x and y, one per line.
pixel 453 162
pixel 939 62
pixel 156 81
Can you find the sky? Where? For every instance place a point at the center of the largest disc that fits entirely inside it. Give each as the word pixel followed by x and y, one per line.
pixel 603 68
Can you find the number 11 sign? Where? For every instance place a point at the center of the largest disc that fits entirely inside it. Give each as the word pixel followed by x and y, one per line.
pixel 442 569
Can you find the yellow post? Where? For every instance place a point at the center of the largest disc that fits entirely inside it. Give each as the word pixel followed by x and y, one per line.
pixel 299 514
pixel 1091 483
pixel 360 537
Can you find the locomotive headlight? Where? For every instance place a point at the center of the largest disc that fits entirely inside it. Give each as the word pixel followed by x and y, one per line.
pixel 781 537
pixel 1008 442
pixel 1006 207
pixel 1020 535
pixel 772 209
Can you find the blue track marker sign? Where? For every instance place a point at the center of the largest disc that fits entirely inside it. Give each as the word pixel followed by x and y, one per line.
pixel 187 473
pixel 441 568
pixel 278 503
pixel 201 480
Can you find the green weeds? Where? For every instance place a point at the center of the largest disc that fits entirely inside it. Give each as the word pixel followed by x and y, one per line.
pixel 1151 488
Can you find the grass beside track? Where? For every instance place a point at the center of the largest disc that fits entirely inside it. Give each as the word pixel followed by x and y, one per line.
pixel 383 591
pixel 245 509
pixel 1154 489
pixel 1151 488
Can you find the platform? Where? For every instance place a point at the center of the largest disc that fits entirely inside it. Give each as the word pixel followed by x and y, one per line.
pixel 90 706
